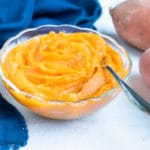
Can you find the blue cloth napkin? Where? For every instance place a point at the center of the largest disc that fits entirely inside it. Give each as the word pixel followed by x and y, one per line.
pixel 13 129
pixel 17 15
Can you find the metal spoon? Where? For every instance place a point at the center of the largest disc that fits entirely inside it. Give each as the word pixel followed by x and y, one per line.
pixel 132 95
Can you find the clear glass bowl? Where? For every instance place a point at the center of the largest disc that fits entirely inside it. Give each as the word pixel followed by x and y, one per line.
pixel 59 109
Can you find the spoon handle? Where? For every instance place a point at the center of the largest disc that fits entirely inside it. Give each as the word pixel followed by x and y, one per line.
pixel 132 95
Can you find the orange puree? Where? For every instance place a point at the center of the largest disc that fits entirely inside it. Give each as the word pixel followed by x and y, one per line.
pixel 63 66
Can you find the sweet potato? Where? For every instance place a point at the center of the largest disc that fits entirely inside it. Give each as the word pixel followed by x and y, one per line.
pixel 144 66
pixel 131 19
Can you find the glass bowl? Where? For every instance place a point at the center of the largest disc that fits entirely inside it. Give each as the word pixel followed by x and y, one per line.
pixel 59 109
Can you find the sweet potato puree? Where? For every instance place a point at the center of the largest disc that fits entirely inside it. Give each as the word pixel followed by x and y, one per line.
pixel 63 66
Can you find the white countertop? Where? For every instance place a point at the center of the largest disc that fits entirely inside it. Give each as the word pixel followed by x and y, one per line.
pixel 118 126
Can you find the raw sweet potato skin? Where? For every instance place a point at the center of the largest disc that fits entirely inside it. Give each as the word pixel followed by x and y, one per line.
pixel 131 19
pixel 144 66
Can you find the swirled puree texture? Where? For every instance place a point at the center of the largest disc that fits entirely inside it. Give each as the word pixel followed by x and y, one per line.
pixel 63 66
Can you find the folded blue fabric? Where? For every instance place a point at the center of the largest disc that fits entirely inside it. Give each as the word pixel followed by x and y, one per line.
pixel 13 129
pixel 31 13
pixel 17 15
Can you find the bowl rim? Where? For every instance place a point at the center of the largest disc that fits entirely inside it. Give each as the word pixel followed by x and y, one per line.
pixel 98 98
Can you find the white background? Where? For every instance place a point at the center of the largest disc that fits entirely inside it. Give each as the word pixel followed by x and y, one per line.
pixel 118 126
